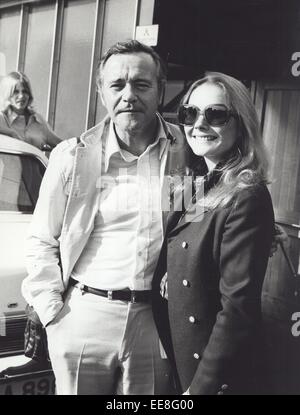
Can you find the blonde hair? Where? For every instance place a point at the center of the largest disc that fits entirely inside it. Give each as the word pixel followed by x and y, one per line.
pixel 7 88
pixel 247 164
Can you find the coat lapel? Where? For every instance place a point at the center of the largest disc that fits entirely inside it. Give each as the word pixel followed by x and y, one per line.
pixel 193 210
pixel 179 208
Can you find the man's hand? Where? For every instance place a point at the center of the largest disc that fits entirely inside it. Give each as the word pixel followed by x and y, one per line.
pixel 164 287
pixel 280 237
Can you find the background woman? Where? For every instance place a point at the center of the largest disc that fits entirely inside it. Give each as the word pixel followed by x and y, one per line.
pixel 17 116
pixel 216 255
pixel 19 120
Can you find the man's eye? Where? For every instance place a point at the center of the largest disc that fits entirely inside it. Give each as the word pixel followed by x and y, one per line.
pixel 142 86
pixel 117 87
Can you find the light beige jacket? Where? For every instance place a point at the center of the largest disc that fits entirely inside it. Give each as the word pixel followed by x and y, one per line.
pixel 64 215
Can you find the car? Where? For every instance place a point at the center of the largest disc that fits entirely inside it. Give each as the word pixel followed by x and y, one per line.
pixel 22 167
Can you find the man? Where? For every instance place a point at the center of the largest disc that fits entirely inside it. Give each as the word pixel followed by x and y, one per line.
pixel 97 232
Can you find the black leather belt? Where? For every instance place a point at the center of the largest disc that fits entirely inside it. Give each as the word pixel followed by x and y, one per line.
pixel 123 295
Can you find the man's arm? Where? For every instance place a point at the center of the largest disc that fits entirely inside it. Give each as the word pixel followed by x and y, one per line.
pixel 43 286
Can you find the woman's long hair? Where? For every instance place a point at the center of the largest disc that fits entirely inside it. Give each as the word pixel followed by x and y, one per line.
pixel 7 88
pixel 247 163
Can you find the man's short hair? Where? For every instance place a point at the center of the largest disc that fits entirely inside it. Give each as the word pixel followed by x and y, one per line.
pixel 133 46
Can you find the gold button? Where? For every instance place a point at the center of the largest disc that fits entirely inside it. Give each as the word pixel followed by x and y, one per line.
pixel 186 283
pixel 196 356
pixel 224 387
pixel 184 245
pixel 192 319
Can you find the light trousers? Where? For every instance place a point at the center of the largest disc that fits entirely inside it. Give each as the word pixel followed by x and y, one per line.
pixel 102 347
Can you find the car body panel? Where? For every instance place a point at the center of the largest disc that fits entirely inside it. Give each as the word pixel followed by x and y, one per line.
pixel 13 230
pixel 21 170
pixel 37 383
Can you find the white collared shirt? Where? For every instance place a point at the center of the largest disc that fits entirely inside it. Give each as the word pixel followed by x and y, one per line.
pixel 123 248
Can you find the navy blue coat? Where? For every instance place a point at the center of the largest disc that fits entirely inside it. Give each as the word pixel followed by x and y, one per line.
pixel 210 325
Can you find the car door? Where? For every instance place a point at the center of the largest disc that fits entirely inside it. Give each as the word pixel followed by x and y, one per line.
pixel 21 173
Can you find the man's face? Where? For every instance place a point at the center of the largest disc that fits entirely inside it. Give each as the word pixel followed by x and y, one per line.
pixel 129 91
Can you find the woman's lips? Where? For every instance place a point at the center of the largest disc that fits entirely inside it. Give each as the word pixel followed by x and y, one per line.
pixel 205 137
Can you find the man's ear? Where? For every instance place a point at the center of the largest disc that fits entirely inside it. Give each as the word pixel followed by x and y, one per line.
pixel 100 92
pixel 162 92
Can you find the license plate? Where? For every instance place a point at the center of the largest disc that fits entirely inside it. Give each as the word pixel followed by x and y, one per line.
pixel 40 383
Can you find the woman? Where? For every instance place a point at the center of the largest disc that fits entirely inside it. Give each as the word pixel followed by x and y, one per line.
pixel 216 250
pixel 17 116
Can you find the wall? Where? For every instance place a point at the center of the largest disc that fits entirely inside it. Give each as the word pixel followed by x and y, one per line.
pixel 58 43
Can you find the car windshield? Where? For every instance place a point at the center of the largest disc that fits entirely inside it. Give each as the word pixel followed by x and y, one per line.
pixel 20 179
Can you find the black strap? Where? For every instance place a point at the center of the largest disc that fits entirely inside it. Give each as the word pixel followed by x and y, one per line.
pixel 294 274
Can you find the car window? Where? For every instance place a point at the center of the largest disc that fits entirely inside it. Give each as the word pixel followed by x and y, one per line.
pixel 20 180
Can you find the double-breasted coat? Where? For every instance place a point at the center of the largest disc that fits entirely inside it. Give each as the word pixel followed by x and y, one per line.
pixel 210 324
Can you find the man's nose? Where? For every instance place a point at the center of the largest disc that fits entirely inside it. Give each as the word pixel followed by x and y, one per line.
pixel 129 94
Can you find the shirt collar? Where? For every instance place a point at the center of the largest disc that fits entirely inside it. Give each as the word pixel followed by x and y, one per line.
pixel 161 137
pixel 112 145
pixel 12 116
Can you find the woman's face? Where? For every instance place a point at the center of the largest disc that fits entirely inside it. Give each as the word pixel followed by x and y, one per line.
pixel 19 99
pixel 211 142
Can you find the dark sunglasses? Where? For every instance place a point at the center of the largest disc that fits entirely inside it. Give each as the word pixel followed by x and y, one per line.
pixel 215 115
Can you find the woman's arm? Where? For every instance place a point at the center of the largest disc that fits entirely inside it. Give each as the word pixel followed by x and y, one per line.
pixel 49 136
pixel 52 138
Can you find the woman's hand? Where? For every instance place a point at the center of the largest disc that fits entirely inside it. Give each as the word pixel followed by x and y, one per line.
pixel 280 237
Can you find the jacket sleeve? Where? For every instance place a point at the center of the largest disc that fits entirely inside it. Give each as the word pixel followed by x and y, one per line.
pixel 244 253
pixel 43 287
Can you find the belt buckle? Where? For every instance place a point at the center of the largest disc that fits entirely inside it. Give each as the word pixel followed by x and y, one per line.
pixel 81 288
pixel 109 295
pixel 133 297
